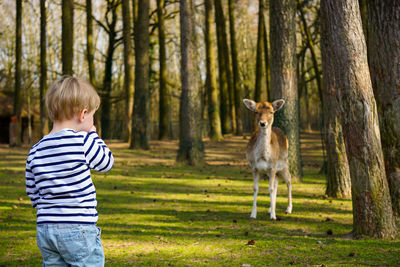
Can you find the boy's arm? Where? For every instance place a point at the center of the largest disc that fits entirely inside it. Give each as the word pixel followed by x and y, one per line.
pixel 31 190
pixel 97 154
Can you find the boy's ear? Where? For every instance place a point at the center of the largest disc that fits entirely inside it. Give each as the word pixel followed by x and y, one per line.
pixel 250 104
pixel 278 104
pixel 82 115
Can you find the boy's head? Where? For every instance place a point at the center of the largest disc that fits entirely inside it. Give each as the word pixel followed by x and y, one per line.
pixel 70 95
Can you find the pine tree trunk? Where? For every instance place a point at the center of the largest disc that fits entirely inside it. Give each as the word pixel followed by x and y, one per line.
pixel 18 72
pixel 222 66
pixel 211 79
pixel 165 100
pixel 67 35
pixel 43 68
pixel 284 78
pixel 384 63
pixel 191 147
pixel 235 70
pixel 259 56
pixel 128 63
pixel 266 57
pixel 345 59
pixel 140 138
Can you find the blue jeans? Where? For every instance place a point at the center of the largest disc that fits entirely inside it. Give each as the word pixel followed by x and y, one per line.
pixel 70 245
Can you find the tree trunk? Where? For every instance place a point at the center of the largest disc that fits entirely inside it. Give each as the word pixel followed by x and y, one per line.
pixel 128 63
pixel 67 43
pixel 18 72
pixel 259 56
pixel 384 63
pixel 283 76
pixel 191 147
pixel 165 100
pixel 140 138
pixel 106 129
pixel 346 72
pixel 211 79
pixel 235 68
pixel 222 66
pixel 266 57
pixel 43 68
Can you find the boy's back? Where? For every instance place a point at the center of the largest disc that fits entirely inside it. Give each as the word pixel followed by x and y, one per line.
pixel 58 176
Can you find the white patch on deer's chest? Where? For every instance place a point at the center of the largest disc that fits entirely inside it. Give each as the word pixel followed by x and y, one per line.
pixel 262 152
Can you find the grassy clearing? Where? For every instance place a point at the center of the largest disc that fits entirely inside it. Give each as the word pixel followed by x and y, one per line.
pixel 153 213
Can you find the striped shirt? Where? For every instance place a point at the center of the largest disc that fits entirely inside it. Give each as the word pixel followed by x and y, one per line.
pixel 58 180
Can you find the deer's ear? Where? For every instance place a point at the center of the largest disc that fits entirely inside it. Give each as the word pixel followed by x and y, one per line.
pixel 278 104
pixel 250 104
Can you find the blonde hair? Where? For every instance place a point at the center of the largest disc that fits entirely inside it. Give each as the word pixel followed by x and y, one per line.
pixel 70 95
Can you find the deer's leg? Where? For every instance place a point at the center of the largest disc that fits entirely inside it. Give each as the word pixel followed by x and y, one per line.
pixel 273 186
pixel 288 179
pixel 256 179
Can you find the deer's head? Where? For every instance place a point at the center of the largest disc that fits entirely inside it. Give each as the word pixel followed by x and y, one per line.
pixel 264 110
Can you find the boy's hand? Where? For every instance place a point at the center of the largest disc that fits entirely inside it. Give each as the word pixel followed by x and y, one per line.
pixel 92 129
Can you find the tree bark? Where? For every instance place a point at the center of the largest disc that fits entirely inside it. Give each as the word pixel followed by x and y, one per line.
pixel 345 66
pixel 235 70
pixel 211 79
pixel 384 63
pixel 18 72
pixel 266 57
pixel 191 147
pixel 107 80
pixel 43 68
pixel 128 70
pixel 283 76
pixel 165 99
pixel 226 116
pixel 67 35
pixel 140 138
pixel 259 56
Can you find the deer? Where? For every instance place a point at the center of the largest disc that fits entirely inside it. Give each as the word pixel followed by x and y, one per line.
pixel 267 152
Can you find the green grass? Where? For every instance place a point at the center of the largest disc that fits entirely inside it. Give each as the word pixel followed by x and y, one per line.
pixel 154 213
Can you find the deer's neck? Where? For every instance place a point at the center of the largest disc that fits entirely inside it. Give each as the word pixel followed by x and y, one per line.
pixel 263 145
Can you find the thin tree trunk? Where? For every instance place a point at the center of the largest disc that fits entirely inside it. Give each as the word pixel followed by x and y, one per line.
pixel 211 80
pixel 223 75
pixel 165 103
pixel 128 70
pixel 384 63
pixel 266 57
pixel 259 60
pixel 67 43
pixel 140 138
pixel 235 69
pixel 43 68
pixel 106 129
pixel 346 72
pixel 18 72
pixel 283 76
pixel 191 147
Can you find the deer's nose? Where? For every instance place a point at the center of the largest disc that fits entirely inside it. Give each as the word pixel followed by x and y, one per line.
pixel 262 124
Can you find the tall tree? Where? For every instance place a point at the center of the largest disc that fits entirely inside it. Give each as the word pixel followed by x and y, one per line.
pixel 224 90
pixel 165 100
pixel 211 79
pixel 284 76
pixel 110 28
pixel 43 68
pixel 140 138
pixel 266 55
pixel 128 67
pixel 384 64
pixel 191 147
pixel 18 72
pixel 345 65
pixel 67 36
pixel 259 57
pixel 338 180
pixel 235 71
pixel 89 43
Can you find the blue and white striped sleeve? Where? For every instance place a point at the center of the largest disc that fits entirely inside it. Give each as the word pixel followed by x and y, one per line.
pixel 31 190
pixel 98 155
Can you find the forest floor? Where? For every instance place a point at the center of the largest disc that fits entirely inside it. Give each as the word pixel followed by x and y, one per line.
pixel 155 213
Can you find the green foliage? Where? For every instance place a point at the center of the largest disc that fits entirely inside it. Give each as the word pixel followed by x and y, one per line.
pixel 155 213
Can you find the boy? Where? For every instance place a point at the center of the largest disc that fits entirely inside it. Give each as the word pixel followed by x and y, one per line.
pixel 58 180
